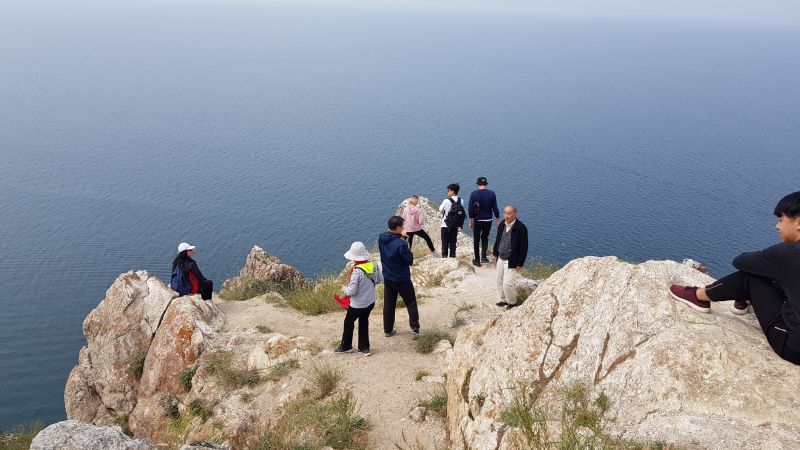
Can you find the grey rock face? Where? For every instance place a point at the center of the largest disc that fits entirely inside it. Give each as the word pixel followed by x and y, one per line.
pixel 76 435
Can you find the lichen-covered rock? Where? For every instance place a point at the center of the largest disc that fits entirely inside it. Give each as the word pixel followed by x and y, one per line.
pixel 261 267
pixel 673 375
pixel 188 327
pixel 77 435
pixel 118 334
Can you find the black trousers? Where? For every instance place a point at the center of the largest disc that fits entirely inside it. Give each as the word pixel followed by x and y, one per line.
pixel 767 301
pixel 206 288
pixel 449 241
pixel 362 315
pixel 406 291
pixel 423 235
pixel 480 235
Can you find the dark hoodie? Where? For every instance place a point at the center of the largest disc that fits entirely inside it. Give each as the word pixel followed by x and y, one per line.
pixel 396 258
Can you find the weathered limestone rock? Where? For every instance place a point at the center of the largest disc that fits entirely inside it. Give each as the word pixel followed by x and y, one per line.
pixel 673 375
pixel 185 333
pixel 76 435
pixel 418 414
pixel 118 333
pixel 431 272
pixel 261 266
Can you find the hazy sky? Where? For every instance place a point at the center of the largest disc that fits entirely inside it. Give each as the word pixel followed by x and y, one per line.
pixel 739 10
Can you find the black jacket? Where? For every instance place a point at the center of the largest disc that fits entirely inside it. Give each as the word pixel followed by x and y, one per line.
pixel 519 243
pixel 781 264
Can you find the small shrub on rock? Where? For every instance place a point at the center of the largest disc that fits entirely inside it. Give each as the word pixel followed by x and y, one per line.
pixel 222 366
pixel 538 269
pixel 427 340
pixel 198 409
pixel 186 378
pixel 20 437
pixel 136 366
pixel 323 378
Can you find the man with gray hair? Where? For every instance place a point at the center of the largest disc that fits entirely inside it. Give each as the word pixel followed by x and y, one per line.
pixel 510 252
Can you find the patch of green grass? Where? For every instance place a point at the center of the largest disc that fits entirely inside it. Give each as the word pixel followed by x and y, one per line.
pixel 421 374
pixel 538 269
pixel 316 299
pixel 198 409
pixel 20 436
pixel 311 424
pixel 222 366
pixel 323 378
pixel 178 425
pixel 464 307
pixel 186 378
pixel 437 404
pixel 136 365
pixel 247 288
pixel 281 369
pixel 427 340
pixel 264 329
pixel 580 418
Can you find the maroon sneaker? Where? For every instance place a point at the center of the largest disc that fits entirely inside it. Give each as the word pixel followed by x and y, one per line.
pixel 739 308
pixel 688 296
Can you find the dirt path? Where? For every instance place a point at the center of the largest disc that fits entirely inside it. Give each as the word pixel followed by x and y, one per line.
pixel 384 383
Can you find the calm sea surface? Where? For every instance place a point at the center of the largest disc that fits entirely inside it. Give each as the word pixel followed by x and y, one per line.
pixel 125 130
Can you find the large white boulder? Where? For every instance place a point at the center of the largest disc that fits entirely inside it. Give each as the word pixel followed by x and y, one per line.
pixel 672 374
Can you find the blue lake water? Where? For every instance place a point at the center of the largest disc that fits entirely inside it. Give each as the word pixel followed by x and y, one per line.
pixel 127 129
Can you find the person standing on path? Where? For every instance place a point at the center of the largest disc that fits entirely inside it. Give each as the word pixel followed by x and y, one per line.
pixel 482 209
pixel 450 230
pixel 364 276
pixel 413 221
pixel 510 252
pixel 396 260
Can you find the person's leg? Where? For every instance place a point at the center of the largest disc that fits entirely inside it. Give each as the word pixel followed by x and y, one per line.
pixel 409 296
pixel 477 229
pixel 206 289
pixel 510 286
pixel 389 305
pixel 427 238
pixel 486 229
pixel 499 278
pixel 445 242
pixel 349 324
pixel 453 240
pixel 410 238
pixel 730 287
pixel 363 327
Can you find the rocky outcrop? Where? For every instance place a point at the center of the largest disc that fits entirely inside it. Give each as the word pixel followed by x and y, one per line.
pixel 118 334
pixel 186 332
pixel 77 435
pixel 261 267
pixel 673 375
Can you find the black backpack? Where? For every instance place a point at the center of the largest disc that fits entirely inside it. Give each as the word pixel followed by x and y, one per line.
pixel 456 216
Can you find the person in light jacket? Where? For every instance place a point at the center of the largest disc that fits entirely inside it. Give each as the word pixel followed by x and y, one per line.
pixel 364 276
pixel 413 221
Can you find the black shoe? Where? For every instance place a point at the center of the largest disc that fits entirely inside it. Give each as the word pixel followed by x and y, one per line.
pixel 340 349
pixel 365 352
pixel 485 260
pixel 476 263
pixel 390 334
pixel 511 306
pixel 501 304
pixel 415 334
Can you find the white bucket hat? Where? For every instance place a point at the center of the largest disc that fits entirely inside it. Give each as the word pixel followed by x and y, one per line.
pixel 183 246
pixel 358 252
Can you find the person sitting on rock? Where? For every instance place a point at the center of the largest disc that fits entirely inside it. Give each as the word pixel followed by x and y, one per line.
pixel 769 280
pixel 413 221
pixel 364 275
pixel 510 251
pixel 198 283
pixel 396 260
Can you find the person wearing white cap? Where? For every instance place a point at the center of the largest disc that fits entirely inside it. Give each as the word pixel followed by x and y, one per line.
pixel 186 276
pixel 364 275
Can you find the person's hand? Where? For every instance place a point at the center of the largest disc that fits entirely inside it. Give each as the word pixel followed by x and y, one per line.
pixel 472 223
pixel 498 223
